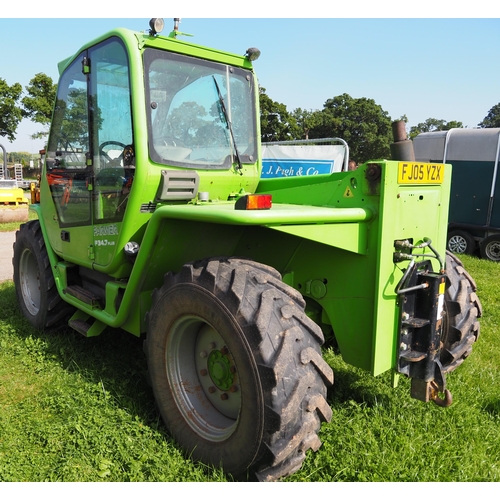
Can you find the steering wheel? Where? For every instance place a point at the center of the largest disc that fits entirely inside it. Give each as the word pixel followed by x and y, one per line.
pixel 106 155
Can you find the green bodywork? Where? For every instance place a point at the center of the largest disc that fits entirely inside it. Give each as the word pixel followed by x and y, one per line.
pixel 330 236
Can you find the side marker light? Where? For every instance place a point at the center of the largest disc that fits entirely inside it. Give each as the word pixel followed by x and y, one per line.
pixel 254 202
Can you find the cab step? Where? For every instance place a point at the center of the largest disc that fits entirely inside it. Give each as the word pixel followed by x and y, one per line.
pixel 86 325
pixel 83 295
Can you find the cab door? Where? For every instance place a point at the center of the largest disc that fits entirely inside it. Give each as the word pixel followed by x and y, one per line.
pixel 69 166
pixel 89 162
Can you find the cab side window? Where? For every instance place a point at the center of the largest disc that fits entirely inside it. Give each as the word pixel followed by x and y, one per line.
pixel 67 165
pixel 90 161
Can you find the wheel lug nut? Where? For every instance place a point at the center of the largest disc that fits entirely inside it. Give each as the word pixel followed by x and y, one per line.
pixel 224 396
pixel 211 389
pixel 203 354
pixel 232 369
pixel 224 350
pixel 203 372
pixel 233 388
pixel 211 346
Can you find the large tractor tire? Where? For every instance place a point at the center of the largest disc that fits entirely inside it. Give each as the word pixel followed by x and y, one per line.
pixel 236 368
pixel 36 290
pixel 462 309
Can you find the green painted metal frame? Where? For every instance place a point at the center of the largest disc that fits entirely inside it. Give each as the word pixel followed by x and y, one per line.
pixel 331 236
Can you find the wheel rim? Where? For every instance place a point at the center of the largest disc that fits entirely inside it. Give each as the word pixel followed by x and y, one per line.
pixel 492 250
pixel 29 278
pixel 457 244
pixel 203 377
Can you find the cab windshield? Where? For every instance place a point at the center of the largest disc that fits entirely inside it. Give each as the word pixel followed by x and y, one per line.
pixel 192 105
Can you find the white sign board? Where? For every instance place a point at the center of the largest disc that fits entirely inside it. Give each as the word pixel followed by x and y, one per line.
pixel 292 161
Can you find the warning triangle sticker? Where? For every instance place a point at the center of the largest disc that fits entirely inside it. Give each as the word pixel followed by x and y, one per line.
pixel 348 193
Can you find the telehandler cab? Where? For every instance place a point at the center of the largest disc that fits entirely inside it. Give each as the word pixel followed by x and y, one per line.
pixel 153 218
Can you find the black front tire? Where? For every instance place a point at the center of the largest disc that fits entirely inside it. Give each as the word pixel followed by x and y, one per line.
pixel 36 290
pixel 462 309
pixel 236 367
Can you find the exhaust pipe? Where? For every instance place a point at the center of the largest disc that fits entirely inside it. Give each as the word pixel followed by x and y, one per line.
pixel 402 147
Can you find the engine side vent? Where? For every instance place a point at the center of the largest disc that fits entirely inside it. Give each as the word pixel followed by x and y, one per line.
pixel 178 185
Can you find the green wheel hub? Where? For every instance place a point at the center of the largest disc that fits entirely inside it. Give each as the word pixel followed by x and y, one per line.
pixel 217 372
pixel 219 368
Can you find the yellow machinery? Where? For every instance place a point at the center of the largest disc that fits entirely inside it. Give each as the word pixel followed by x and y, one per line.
pixel 13 203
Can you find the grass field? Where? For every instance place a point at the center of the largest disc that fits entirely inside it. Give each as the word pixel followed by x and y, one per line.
pixel 76 409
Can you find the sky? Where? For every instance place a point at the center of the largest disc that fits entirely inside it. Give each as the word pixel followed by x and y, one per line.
pixel 431 61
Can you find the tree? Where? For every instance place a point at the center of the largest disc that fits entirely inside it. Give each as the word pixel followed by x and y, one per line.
pixel 276 123
pixel 70 122
pixel 492 119
pixel 362 123
pixel 185 122
pixel 10 112
pixel 39 101
pixel 306 120
pixel 433 125
pixel 22 157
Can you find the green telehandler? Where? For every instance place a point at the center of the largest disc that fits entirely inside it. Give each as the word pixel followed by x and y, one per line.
pixel 154 219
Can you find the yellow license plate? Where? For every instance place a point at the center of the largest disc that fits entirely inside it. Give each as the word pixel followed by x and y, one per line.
pixel 420 173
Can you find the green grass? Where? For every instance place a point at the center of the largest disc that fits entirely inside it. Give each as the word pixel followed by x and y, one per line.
pixel 76 409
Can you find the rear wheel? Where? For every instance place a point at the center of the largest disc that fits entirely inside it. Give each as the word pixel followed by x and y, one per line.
pixel 490 248
pixel 462 308
pixel 36 290
pixel 236 367
pixel 461 242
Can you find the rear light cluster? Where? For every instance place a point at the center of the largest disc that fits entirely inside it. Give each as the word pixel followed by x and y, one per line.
pixel 254 202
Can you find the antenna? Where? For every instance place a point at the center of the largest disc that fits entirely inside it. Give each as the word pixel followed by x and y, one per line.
pixel 175 31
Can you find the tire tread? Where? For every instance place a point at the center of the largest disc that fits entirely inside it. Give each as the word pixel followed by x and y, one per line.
pixel 292 373
pixel 53 308
pixel 463 308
